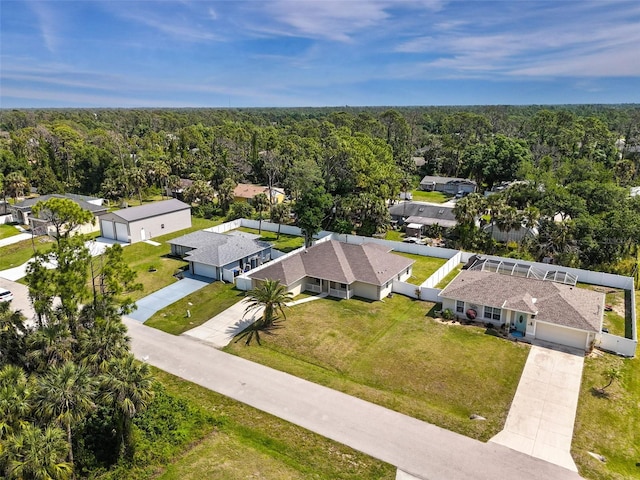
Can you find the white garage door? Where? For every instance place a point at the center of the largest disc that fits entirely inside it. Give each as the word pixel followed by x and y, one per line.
pixel 204 270
pixel 107 229
pixel 122 233
pixel 561 335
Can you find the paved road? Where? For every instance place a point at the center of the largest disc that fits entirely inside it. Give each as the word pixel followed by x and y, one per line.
pixel 415 447
pixel 543 411
pixel 20 298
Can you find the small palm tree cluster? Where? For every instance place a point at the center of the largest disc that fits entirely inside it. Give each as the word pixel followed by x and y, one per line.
pixel 69 379
pixel 51 384
pixel 271 297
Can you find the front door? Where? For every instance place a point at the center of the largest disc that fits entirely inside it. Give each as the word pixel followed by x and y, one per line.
pixel 143 236
pixel 521 322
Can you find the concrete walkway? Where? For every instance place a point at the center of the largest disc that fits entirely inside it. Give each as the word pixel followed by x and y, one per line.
pixel 415 447
pixel 164 297
pixel 541 418
pixel 14 239
pixel 221 329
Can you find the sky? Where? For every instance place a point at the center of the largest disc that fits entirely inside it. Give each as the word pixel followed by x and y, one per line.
pixel 297 53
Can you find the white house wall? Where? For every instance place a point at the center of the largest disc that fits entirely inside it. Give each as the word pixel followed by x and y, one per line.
pixel 160 225
pixel 366 290
pixel 201 269
pixel 562 335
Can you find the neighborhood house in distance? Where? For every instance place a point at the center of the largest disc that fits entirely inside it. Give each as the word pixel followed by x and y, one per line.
pixel 137 224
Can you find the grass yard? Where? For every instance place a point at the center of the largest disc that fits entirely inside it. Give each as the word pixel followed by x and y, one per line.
pixel 394 235
pixel 7 231
pixel 285 243
pixel 17 253
pixel 142 256
pixel 247 443
pixel 608 425
pixel 450 276
pixel 614 320
pixel 423 268
pixel 203 304
pixel 390 353
pixel 433 197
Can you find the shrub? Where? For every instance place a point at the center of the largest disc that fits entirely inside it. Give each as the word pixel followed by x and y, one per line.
pixel 448 314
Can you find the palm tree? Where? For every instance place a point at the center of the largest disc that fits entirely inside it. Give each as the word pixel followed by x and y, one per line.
pixel 271 297
pixel 51 345
pixel 225 194
pixel 261 203
pixel 105 340
pixel 138 180
pixel 65 396
pixel 36 454
pixel 279 214
pixel 12 335
pixel 127 385
pixel 15 399
pixel 16 185
pixel 507 219
pixel 611 374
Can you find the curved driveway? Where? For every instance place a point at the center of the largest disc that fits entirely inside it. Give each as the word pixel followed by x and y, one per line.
pixel 418 448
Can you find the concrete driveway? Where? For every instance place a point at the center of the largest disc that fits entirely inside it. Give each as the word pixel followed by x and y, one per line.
pixel 541 418
pixel 220 330
pixel 164 297
pixel 21 299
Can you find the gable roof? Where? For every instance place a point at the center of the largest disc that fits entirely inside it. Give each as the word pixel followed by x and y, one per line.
pixel 218 249
pixel 81 200
pixel 132 214
pixel 550 301
pixel 338 262
pixel 248 190
pixel 417 212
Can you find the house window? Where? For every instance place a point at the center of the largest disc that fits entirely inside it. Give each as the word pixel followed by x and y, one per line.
pixel 492 313
pixel 343 286
pixel 459 306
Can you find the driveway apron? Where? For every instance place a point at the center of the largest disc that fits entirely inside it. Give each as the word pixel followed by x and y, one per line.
pixel 542 415
pixel 164 297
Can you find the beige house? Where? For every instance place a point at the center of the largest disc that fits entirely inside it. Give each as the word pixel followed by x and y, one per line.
pixel 340 270
pixel 137 224
pixel 535 305
pixel 247 191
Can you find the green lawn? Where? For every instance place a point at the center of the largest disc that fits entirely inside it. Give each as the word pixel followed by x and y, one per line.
pixel 247 443
pixel 18 253
pixel 390 353
pixel 423 268
pixel 203 305
pixel 7 231
pixel 433 197
pixel 609 424
pixel 450 276
pixel 285 243
pixel 614 320
pixel 394 235
pixel 141 257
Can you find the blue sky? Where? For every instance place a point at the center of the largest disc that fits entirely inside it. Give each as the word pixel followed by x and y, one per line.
pixel 121 53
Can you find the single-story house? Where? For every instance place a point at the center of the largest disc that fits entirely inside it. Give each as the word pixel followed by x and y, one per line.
pixel 423 213
pixel 515 235
pixel 339 269
pixel 533 304
pixel 247 191
pixel 136 224
pixel 209 254
pixel 177 191
pixel 21 212
pixel 449 185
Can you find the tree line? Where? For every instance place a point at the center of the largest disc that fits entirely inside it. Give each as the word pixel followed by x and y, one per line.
pixel 341 166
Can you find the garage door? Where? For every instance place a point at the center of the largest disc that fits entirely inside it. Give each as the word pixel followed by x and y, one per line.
pixel 122 233
pixel 107 229
pixel 561 335
pixel 204 270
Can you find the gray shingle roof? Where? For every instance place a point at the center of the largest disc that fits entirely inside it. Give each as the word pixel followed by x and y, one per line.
pixel 132 214
pixel 554 302
pixel 218 249
pixel 434 179
pixel 435 213
pixel 26 204
pixel 338 262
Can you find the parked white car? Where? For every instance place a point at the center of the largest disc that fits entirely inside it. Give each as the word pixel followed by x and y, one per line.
pixel 5 295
